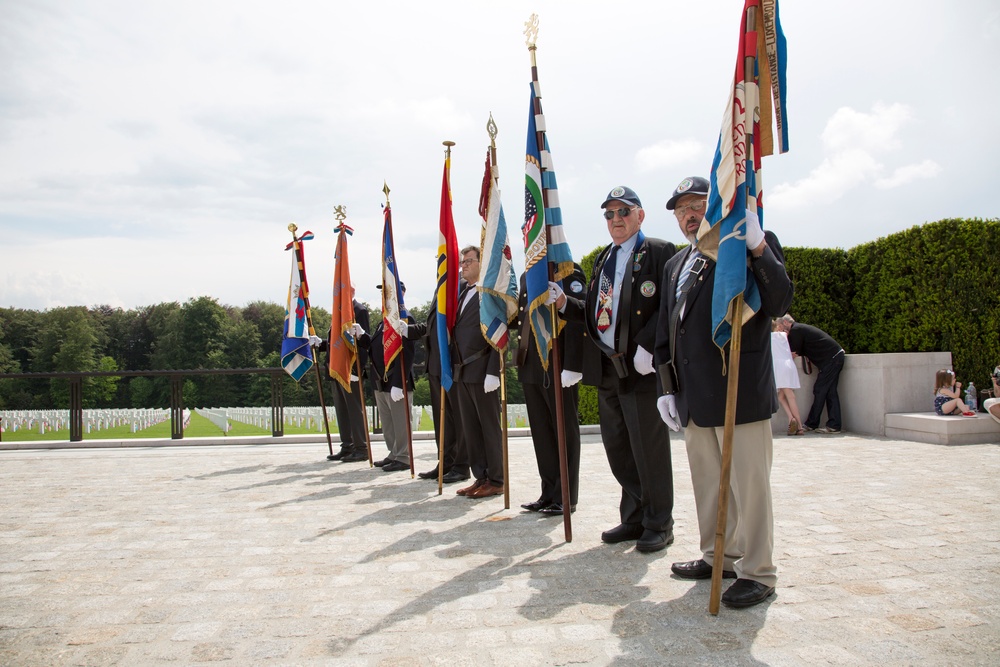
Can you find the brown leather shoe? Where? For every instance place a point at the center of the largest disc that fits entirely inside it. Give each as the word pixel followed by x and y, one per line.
pixel 468 489
pixel 486 490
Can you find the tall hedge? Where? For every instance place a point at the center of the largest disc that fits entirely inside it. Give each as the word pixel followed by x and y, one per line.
pixel 934 287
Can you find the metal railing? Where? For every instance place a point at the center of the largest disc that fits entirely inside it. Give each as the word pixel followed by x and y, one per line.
pixel 176 393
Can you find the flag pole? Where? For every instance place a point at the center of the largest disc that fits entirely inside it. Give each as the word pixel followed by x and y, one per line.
pixel 292 227
pixel 447 157
pixel 402 350
pixel 735 343
pixel 531 34
pixel 491 129
pixel 340 213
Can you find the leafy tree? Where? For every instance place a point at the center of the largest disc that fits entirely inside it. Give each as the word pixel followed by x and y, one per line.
pixel 100 391
pixel 268 318
pixel 141 391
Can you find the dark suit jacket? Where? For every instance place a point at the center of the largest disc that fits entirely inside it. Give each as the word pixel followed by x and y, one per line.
pixel 699 363
pixel 814 344
pixel 472 357
pixel 571 339
pixel 643 280
pixel 376 353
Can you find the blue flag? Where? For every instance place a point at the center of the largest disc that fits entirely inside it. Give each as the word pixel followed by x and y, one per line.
pixel 541 209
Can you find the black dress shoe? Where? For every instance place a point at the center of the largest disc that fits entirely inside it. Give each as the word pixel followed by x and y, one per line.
pixel 355 457
pixel 430 474
pixel 746 593
pixel 339 455
pixel 654 540
pixel 380 462
pixel 395 466
pixel 698 569
pixel 623 532
pixel 536 505
pixel 555 509
pixel 454 476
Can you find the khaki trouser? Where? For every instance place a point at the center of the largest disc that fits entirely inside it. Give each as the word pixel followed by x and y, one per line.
pixel 749 520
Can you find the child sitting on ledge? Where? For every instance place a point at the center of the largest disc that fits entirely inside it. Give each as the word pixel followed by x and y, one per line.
pixel 948 396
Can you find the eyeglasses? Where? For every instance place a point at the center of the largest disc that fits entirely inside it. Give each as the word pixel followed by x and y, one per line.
pixel 622 213
pixel 694 207
pixel 467 262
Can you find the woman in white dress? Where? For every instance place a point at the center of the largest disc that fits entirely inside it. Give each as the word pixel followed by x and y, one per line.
pixel 786 380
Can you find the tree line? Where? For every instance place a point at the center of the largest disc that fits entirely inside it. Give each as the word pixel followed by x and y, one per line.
pixel 933 287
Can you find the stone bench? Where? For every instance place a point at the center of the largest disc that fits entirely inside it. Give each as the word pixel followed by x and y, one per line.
pixel 941 430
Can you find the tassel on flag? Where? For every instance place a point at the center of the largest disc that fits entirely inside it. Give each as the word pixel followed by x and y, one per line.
pixel 541 209
pixel 497 284
pixel 296 354
pixel 735 197
pixel 393 310
pixel 343 348
pixel 448 273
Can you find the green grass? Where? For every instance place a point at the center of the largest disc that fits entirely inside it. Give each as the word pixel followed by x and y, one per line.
pixel 199 427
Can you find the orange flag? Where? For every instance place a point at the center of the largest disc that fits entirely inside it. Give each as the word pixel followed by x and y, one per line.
pixel 343 348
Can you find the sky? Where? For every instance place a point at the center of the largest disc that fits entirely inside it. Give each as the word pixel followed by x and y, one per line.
pixel 157 151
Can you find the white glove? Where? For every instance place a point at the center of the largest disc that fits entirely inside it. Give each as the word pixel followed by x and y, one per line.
pixel 643 361
pixel 405 333
pixel 354 378
pixel 554 293
pixel 667 405
pixel 396 394
pixel 570 378
pixel 754 233
pixel 356 330
pixel 315 341
pixel 492 383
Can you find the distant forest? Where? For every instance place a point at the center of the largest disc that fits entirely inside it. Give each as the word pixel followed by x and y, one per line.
pixel 199 334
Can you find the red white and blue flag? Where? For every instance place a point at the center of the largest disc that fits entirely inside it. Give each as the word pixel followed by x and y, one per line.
pixel 296 354
pixel 393 310
pixel 735 196
pixel 497 284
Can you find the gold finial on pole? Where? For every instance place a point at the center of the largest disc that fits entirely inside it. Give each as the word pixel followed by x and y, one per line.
pixel 447 147
pixel 340 213
pixel 531 31
pixel 292 227
pixel 385 189
pixel 491 129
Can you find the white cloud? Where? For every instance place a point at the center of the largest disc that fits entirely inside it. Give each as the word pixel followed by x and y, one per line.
pixel 875 131
pixel 911 172
pixel 855 144
pixel 667 153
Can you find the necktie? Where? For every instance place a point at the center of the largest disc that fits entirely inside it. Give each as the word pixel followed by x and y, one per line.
pixel 688 274
pixel 606 290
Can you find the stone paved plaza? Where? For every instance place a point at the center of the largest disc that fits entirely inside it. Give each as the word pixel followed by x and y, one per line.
pixel 888 553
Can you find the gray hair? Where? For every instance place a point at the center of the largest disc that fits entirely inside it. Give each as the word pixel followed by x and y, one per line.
pixel 470 248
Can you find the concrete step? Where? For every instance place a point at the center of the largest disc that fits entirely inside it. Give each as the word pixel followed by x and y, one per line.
pixel 937 429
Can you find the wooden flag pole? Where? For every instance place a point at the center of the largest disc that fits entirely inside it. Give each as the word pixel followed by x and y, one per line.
pixel 292 227
pixel 441 422
pixel 735 343
pixel 491 129
pixel 531 34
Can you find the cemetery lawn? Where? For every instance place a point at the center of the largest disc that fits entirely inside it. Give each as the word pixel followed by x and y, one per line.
pixel 199 427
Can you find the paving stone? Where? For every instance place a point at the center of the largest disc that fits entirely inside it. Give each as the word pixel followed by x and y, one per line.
pixel 888 552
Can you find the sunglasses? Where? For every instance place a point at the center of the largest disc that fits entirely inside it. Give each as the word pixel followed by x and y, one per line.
pixel 622 213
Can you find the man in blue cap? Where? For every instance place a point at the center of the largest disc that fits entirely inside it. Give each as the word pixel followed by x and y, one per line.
pixel 691 372
pixel 620 313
